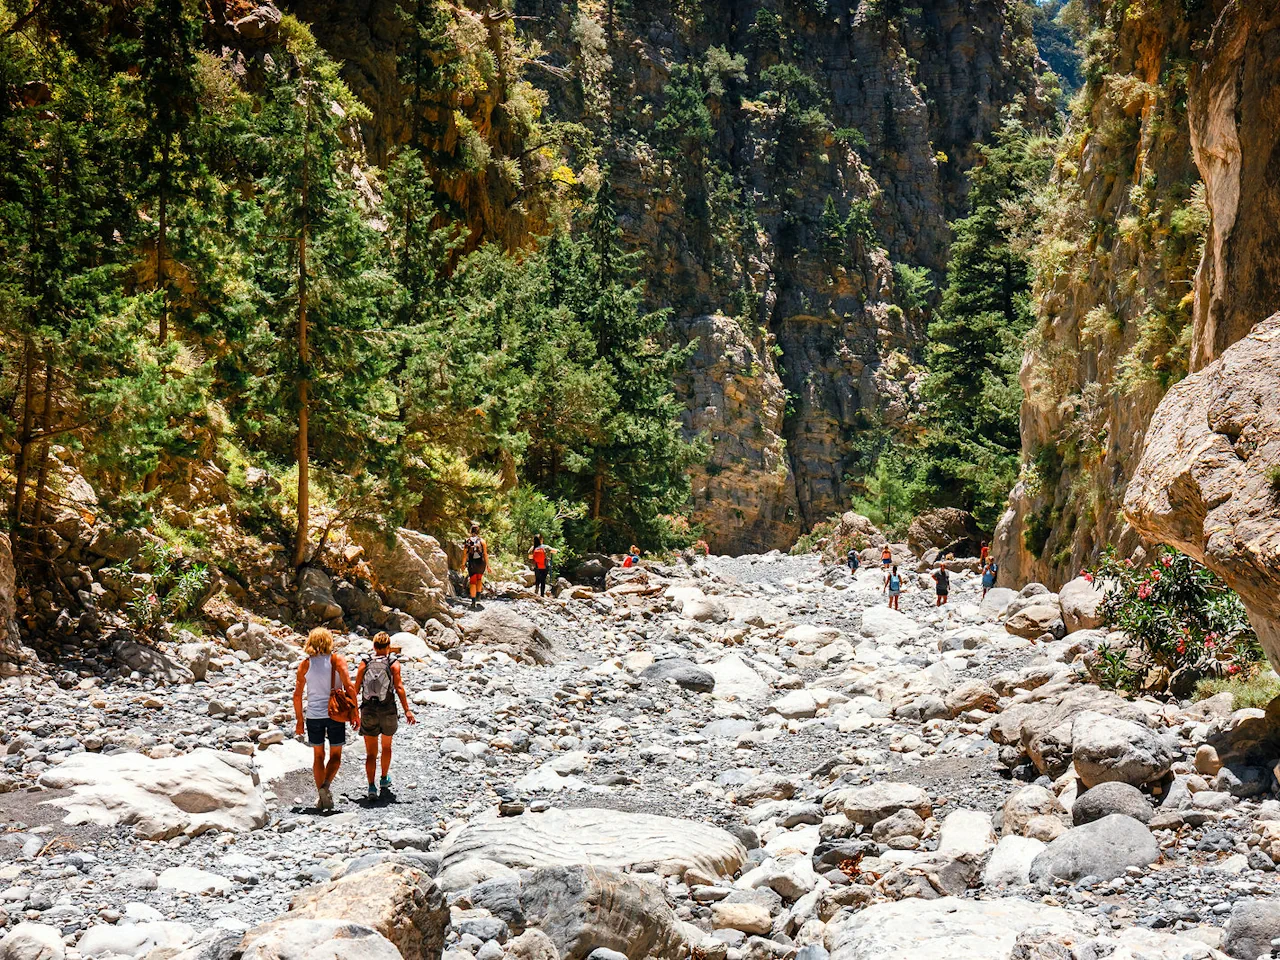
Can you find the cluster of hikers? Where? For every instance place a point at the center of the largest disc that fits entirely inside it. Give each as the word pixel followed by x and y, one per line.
pixel 941 576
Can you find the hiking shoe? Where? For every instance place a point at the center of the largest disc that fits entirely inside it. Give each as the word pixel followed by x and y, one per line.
pixel 373 791
pixel 385 783
pixel 326 799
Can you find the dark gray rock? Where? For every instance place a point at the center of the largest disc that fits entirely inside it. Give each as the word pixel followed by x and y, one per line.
pixel 1103 849
pixel 1251 928
pixel 686 674
pixel 1108 798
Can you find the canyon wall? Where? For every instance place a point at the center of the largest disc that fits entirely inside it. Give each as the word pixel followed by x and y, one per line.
pixel 772 161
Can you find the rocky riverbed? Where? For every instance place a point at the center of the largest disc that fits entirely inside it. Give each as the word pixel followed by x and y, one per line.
pixel 734 758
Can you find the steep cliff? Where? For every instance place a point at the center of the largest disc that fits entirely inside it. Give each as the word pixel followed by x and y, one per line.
pixel 773 161
pixel 1118 234
pixel 1160 252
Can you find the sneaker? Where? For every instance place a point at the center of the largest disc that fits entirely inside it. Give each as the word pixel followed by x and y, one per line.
pixel 373 791
pixel 385 783
pixel 326 799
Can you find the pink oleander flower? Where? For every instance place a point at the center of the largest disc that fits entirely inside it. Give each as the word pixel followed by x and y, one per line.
pixel 1088 577
pixel 1144 591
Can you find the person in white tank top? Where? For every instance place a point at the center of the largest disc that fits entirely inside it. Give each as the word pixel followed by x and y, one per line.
pixel 316 676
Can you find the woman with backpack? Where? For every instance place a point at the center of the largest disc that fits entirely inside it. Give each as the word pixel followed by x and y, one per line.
pixel 541 556
pixel 477 554
pixel 943 582
pixel 989 577
pixel 893 587
pixel 330 705
pixel 379 683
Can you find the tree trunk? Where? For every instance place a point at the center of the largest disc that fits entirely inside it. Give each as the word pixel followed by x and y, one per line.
pixel 22 460
pixel 153 478
pixel 304 359
pixel 46 427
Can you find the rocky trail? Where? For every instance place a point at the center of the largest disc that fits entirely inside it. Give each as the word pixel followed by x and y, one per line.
pixel 729 759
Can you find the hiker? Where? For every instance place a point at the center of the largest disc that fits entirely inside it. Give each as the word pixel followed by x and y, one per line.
pixel 541 556
pixel 477 554
pixel 886 557
pixel 632 559
pixel 893 586
pixel 378 682
pixel 942 580
pixel 853 561
pixel 989 577
pixel 318 674
pixel 983 553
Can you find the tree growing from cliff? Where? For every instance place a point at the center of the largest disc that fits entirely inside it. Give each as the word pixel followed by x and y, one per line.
pixel 969 452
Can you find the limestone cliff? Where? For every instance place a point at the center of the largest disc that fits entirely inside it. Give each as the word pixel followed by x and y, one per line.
pixel 773 161
pixel 1140 293
pixel 1118 237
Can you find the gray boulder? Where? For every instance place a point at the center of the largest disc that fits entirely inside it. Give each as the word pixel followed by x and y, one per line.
pixel 1103 849
pixel 1251 928
pixel 684 673
pixel 315 596
pixel 1036 620
pixel 1106 748
pixel 150 662
pixel 1081 603
pixel 500 628
pixel 1111 798
pixel 306 939
pixel 32 941
pixel 870 804
pixel 259 643
pixel 584 908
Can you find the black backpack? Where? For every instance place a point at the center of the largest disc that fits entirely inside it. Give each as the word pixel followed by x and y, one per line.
pixel 475 550
pixel 944 581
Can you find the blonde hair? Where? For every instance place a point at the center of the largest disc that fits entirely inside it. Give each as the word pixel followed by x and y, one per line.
pixel 319 642
pixel 381 639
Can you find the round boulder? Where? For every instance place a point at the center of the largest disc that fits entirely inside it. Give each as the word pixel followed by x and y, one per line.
pixel 1108 798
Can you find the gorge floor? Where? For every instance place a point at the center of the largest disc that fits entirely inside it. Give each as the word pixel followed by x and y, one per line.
pixel 824 665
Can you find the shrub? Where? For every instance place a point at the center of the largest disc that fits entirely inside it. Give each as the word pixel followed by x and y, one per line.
pixel 1183 621
pixel 1256 690
pixel 175 590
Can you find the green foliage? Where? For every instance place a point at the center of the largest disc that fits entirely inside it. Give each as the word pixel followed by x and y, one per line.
pixel 1273 478
pixel 1057 38
pixel 888 494
pixel 1179 616
pixel 1253 691
pixel 913 288
pixel 969 453
pixel 722 68
pixel 175 589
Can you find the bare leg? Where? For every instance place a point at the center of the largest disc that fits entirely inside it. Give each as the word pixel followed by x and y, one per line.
pixel 386 756
pixel 335 761
pixel 317 765
pixel 370 758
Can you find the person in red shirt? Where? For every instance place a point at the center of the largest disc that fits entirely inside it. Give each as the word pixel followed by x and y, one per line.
pixel 982 557
pixel 541 556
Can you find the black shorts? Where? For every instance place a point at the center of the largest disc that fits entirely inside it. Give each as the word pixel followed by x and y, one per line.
pixel 942 591
pixel 318 730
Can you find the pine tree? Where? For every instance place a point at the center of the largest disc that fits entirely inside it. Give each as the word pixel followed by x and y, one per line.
pixel 321 284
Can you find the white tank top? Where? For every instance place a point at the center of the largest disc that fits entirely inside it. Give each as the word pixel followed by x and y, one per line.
pixel 319 686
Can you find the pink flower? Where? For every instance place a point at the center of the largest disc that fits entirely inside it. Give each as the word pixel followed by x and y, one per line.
pixel 1144 591
pixel 1234 668
pixel 1155 574
pixel 1209 644
pixel 1182 647
pixel 1088 577
pixel 1167 560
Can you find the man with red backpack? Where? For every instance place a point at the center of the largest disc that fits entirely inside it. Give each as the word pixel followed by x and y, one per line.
pixel 477 553
pixel 541 556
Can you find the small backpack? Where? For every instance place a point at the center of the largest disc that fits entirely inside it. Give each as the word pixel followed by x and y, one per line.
pixel 475 549
pixel 540 557
pixel 944 581
pixel 376 686
pixel 895 583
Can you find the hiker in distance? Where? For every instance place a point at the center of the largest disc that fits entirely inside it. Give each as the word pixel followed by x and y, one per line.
pixel 378 683
pixel 886 557
pixel 477 554
pixel 989 574
pixel 330 705
pixel 893 586
pixel 942 580
pixel 541 555
pixel 853 561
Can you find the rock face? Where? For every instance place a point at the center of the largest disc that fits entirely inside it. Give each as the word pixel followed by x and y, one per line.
pixel 947 530
pixel 601 838
pixel 1099 367
pixel 1209 480
pixel 583 909
pixel 744 494
pixel 190 793
pixel 412 570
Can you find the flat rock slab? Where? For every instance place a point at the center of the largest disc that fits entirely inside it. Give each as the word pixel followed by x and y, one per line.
pixel 190 793
pixel 602 838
